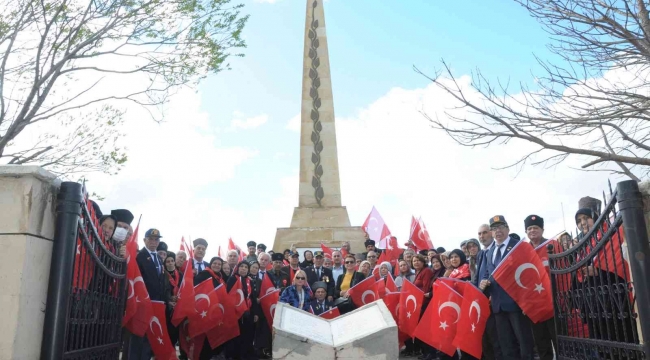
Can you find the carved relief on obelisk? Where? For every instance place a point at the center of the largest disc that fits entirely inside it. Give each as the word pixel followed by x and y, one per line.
pixel 319 167
pixel 319 217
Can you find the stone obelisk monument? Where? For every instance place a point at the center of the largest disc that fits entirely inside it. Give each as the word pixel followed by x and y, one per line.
pixel 320 216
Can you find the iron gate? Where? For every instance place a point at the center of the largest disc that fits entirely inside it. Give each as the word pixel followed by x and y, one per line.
pixel 86 297
pixel 599 311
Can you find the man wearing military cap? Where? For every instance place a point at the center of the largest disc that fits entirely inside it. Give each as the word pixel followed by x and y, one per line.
pixel 152 269
pixel 252 256
pixel 544 331
pixel 279 278
pixel 318 272
pixel 320 304
pixel 200 246
pixel 294 265
pixel 514 329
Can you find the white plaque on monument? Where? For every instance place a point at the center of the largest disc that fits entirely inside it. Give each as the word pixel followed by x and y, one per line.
pixel 366 333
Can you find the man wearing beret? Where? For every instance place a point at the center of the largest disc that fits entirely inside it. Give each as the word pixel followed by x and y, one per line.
pixel 544 331
pixel 279 278
pixel 152 269
pixel 370 246
pixel 514 329
pixel 252 255
pixel 320 304
pixel 318 272
pixel 200 246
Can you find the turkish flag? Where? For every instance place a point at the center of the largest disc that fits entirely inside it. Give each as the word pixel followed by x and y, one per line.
pixel 410 304
pixel 393 251
pixel 185 305
pixel 222 333
pixel 268 303
pixel 610 258
pixel 236 294
pixel 474 313
pixel 327 251
pixel 139 321
pixel 361 292
pixel 187 248
pixel 542 252
pixel 376 228
pixel 391 300
pixel 438 324
pixel 331 313
pixel 390 284
pixel 420 235
pixel 233 246
pixel 344 253
pixel 191 346
pixel 208 313
pixel 381 287
pixel 375 271
pixel 267 285
pixel 521 274
pixel 132 273
pixel 157 333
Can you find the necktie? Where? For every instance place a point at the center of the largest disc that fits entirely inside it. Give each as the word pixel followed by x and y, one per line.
pixel 155 259
pixel 499 256
pixel 318 271
pixel 261 275
pixel 201 266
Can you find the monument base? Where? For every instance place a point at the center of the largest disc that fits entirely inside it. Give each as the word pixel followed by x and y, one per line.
pixel 312 237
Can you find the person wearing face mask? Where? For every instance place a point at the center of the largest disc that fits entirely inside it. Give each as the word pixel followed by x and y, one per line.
pixel 123 228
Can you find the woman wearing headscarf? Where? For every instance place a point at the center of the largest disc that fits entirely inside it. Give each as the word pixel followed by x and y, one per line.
pixel 173 278
pixel 459 264
pixel 298 294
pixel 405 274
pixel 309 259
pixel 445 261
pixel 256 308
pixel 364 268
pixel 424 281
pixel 239 347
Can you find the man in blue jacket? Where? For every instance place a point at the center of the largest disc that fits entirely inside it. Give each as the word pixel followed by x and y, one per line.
pixel 514 329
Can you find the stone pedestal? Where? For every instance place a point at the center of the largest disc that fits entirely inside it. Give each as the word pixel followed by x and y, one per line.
pixel 301 335
pixel 27 198
pixel 312 237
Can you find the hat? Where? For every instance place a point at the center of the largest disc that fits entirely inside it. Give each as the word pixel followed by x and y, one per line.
pixel 474 241
pixel 318 253
pixel 440 250
pixel 533 220
pixel 277 257
pixel 171 255
pixel 162 246
pixel 153 233
pixel 200 241
pixel 261 246
pixel 584 211
pixel 463 243
pixel 319 285
pixel 123 215
pixel 251 243
pixel 498 219
pixel 424 252
pixel 295 254
pixel 369 242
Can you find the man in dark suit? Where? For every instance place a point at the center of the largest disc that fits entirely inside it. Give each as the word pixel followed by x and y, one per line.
pixel 514 329
pixel 152 269
pixel 491 348
pixel 200 246
pixel 320 303
pixel 318 272
pixel 279 278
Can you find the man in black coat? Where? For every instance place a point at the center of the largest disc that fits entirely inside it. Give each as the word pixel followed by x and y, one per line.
pixel 320 303
pixel 318 272
pixel 152 269
pixel 279 278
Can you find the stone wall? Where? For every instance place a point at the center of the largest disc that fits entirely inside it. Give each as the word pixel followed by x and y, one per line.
pixel 27 200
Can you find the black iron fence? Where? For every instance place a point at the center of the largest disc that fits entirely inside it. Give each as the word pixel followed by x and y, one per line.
pixel 86 297
pixel 599 312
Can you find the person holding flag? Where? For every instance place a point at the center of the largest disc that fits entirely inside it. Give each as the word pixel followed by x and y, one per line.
pixel 240 346
pixel 173 279
pixel 213 271
pixel 423 280
pixel 514 329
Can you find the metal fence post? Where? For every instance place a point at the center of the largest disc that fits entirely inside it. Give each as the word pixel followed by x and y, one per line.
pixel 68 211
pixel 630 201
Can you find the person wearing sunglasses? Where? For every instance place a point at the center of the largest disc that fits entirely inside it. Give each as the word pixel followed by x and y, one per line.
pixel 298 294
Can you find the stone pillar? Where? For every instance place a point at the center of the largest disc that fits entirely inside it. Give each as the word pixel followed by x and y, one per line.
pixel 27 198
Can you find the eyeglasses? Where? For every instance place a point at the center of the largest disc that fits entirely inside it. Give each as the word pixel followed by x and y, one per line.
pixel 498 227
pixel 300 278
pixel 349 262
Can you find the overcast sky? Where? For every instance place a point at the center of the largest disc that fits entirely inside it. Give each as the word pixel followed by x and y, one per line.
pixel 225 161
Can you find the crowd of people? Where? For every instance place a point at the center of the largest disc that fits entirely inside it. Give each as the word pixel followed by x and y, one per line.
pixel 322 282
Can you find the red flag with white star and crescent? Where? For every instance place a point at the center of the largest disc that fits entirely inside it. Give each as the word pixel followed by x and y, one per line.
pixel 268 303
pixel 331 313
pixel 364 292
pixel 522 275
pixel 208 312
pixel 157 333
pixel 438 324
pixel 185 305
pixel 410 306
pixel 474 313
